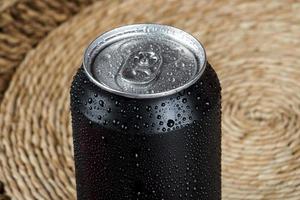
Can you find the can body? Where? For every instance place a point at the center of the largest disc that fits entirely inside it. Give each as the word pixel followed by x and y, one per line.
pixel 167 147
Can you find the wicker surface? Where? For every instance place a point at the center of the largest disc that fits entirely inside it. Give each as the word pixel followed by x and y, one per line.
pixel 253 45
pixel 23 23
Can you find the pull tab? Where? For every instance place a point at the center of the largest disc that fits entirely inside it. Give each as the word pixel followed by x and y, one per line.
pixel 141 65
pixel 142 69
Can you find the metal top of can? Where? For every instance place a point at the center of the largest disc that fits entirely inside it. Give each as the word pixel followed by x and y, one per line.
pixel 144 60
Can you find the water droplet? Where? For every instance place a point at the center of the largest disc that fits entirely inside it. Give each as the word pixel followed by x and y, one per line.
pixel 148 108
pixel 146 125
pixel 117 103
pixel 136 126
pixel 172 79
pixel 170 123
pixel 101 103
pixel 184 100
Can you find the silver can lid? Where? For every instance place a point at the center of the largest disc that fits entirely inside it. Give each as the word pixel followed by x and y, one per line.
pixel 144 60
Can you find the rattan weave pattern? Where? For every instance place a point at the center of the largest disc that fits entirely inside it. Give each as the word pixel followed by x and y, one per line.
pixel 253 45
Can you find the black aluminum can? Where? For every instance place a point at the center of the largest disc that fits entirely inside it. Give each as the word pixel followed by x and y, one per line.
pixel 136 139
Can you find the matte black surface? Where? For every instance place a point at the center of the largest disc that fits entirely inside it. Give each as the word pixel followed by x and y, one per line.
pixel 166 148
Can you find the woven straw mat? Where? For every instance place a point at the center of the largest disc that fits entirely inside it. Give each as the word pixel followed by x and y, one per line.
pixel 253 45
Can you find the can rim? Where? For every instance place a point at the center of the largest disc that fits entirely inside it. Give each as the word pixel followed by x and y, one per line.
pixel 101 41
